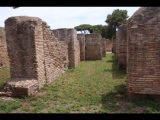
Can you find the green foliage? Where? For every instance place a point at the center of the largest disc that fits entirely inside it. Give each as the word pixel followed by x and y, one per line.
pixel 115 19
pixel 84 28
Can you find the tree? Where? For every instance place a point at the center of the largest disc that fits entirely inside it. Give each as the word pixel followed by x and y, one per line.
pixel 84 28
pixel 115 19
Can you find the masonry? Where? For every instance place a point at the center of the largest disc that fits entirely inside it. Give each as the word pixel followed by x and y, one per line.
pixel 114 46
pixel 81 38
pixel 143 53
pixel 109 45
pixel 93 46
pixel 103 47
pixel 121 38
pixel 4 59
pixel 36 55
pixel 70 37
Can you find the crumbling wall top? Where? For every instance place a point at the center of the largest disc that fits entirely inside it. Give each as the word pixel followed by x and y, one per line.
pixel 145 15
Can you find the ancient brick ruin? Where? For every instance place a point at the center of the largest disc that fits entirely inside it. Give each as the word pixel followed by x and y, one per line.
pixel 143 53
pixel 81 38
pixel 39 55
pixel 4 59
pixel 93 46
pixel 109 45
pixel 36 56
pixel 103 47
pixel 70 37
pixel 121 40
pixel 114 46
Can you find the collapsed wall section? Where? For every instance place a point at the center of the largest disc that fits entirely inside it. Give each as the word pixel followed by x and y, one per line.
pixel 122 40
pixel 143 53
pixel 55 54
pixel 81 38
pixel 70 37
pixel 93 46
pixel 4 59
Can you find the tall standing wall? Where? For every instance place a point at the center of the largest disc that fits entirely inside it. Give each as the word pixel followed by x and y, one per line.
pixel 122 40
pixel 93 46
pixel 36 56
pixel 109 45
pixel 4 59
pixel 70 37
pixel 143 53
pixel 103 47
pixel 81 38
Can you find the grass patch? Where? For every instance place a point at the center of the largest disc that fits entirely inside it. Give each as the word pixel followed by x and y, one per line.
pixel 4 76
pixel 92 87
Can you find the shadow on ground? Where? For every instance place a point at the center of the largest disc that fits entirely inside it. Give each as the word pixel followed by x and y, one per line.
pixel 116 72
pixel 111 101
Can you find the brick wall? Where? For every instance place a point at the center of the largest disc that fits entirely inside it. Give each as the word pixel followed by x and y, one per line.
pixel 70 36
pixel 93 50
pixel 114 46
pixel 109 45
pixel 36 56
pixel 103 47
pixel 143 53
pixel 81 38
pixel 122 40
pixel 56 54
pixel 4 59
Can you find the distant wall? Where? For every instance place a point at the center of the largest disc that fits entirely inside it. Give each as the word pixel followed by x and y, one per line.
pixel 93 46
pixel 70 37
pixel 4 59
pixel 103 47
pixel 81 38
pixel 122 40
pixel 109 45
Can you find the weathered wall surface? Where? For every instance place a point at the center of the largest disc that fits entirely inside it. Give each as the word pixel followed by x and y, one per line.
pixel 109 45
pixel 70 36
pixel 4 59
pixel 114 46
pixel 122 40
pixel 36 56
pixel 21 38
pixel 56 54
pixel 93 47
pixel 117 45
pixel 81 38
pixel 103 47
pixel 143 53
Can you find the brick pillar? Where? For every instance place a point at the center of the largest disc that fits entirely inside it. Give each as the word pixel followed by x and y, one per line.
pixel 143 54
pixel 24 37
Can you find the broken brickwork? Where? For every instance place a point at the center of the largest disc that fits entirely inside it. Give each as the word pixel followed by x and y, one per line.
pixel 70 37
pixel 143 53
pixel 4 59
pixel 36 56
pixel 93 46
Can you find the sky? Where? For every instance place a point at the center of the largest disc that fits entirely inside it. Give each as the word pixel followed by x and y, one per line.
pixel 64 17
